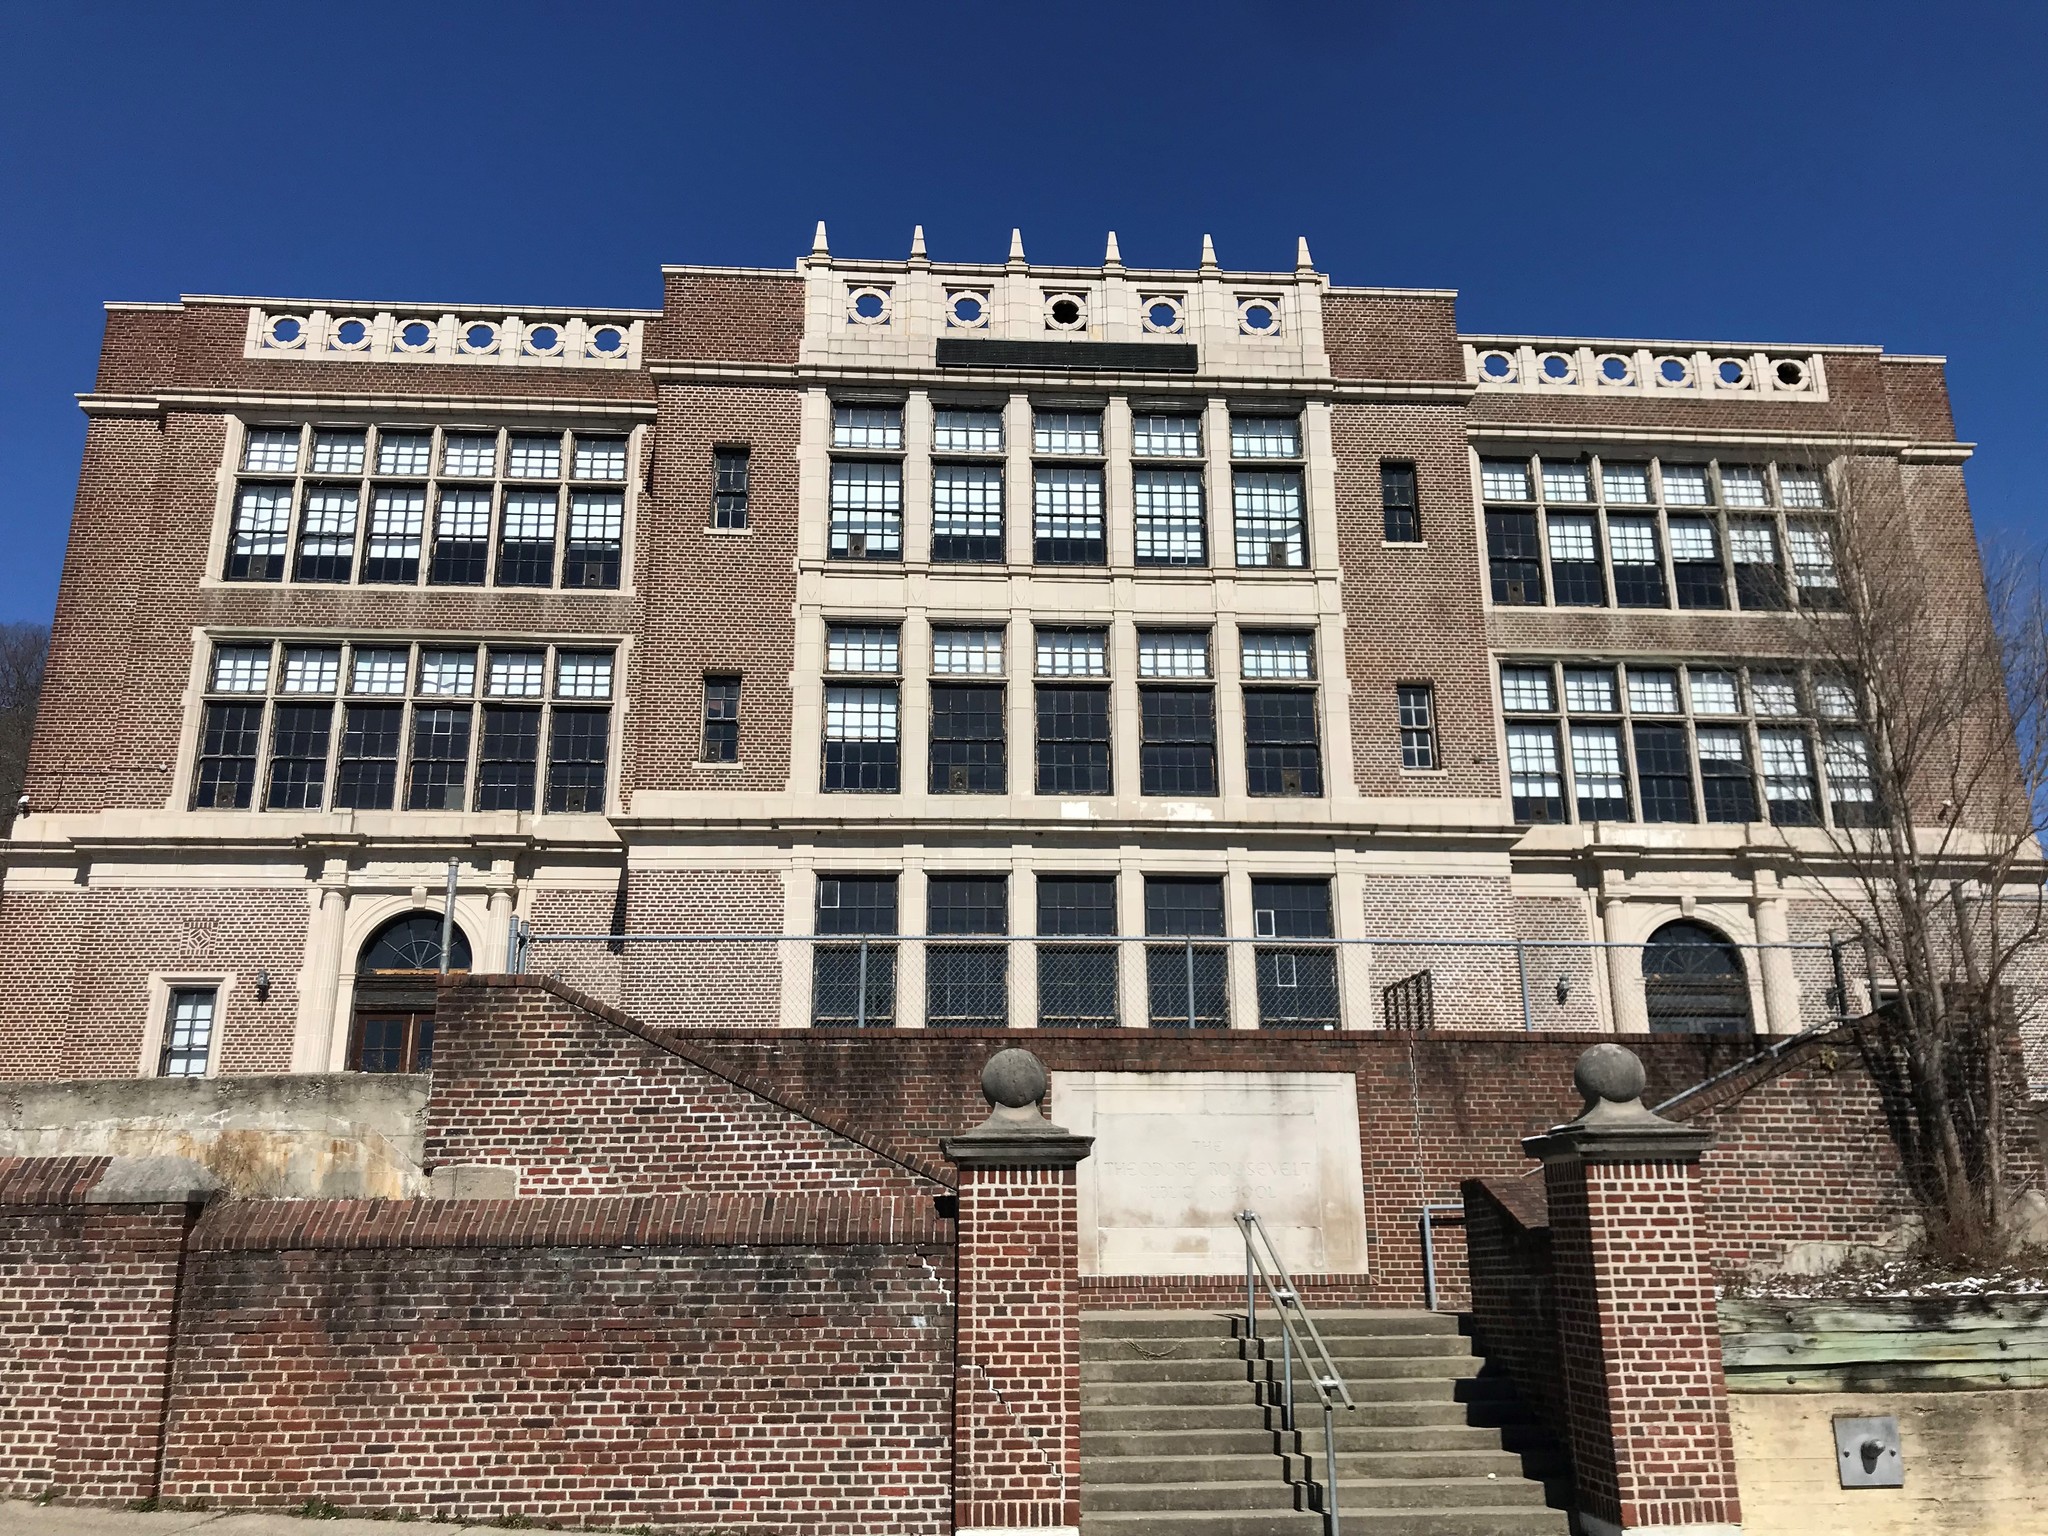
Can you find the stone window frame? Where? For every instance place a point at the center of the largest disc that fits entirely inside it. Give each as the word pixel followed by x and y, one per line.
pixel 159 988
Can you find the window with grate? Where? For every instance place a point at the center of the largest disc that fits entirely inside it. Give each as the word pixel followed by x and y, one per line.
pixel 437 503
pixel 867 510
pixel 722 718
pixel 1297 983
pixel 1073 740
pixel 1186 984
pixel 1416 703
pixel 1170 517
pixel 1282 755
pixel 966 747
pixel 854 985
pixel 967 985
pixel 967 513
pixel 188 1032
pixel 731 484
pixel 1400 511
pixel 1177 754
pixel 1066 515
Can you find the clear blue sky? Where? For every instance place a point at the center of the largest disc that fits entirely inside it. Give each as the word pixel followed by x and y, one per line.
pixel 1797 172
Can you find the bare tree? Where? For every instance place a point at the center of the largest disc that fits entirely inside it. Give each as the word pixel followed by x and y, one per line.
pixel 1931 684
pixel 23 648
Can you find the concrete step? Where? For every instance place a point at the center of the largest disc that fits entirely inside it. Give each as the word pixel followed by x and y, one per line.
pixel 1173 1466
pixel 1221 1367
pixel 1222 1414
pixel 1198 1324
pixel 1269 1347
pixel 1268 1493
pixel 1443 1520
pixel 1128 1471
pixel 1246 1439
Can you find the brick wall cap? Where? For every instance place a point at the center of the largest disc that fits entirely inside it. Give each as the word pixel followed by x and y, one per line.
pixel 1649 1140
pixel 993 1146
pixel 154 1181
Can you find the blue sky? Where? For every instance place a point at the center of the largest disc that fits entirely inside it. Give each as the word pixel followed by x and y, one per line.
pixel 1796 172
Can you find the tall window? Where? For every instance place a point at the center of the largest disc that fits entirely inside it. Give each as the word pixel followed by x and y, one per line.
pixel 383 726
pixel 1282 754
pixel 854 984
pixel 1297 979
pixel 1073 712
pixel 862 735
pixel 1398 506
pixel 1177 755
pixel 731 470
pixel 1266 496
pixel 1170 518
pixel 1417 705
pixel 1066 497
pixel 1077 982
pixel 867 510
pixel 1186 983
pixel 967 512
pixel 967 739
pixel 439 502
pixel 188 1032
pixel 722 719
pixel 966 984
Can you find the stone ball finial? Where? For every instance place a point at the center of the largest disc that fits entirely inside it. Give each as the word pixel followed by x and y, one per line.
pixel 1014 1079
pixel 1609 1073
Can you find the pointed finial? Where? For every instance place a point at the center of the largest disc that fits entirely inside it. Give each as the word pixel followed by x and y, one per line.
pixel 1017 250
pixel 1208 254
pixel 1112 258
pixel 818 245
pixel 1302 260
pixel 917 255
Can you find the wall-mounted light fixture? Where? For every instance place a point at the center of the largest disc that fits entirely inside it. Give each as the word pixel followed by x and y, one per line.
pixel 1564 991
pixel 263 986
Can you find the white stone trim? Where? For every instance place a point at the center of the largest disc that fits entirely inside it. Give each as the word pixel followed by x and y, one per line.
pixel 158 988
pixel 513 340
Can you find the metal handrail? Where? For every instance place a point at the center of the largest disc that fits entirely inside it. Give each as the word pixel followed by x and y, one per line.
pixel 1264 1267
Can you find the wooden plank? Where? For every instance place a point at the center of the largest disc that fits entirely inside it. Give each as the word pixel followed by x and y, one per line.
pixel 1895 1376
pixel 1745 1351
pixel 1753 1314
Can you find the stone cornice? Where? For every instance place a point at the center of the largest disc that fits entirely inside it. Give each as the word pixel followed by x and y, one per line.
pixel 97 404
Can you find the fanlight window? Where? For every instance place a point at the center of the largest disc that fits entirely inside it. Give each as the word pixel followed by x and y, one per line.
pixel 412 943
pixel 1693 982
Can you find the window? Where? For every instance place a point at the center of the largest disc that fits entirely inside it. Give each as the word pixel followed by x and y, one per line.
pixel 1759 579
pixel 1401 516
pixel 1653 690
pixel 1788 777
pixel 1504 480
pixel 1076 433
pixel 1077 983
pixel 1713 692
pixel 1073 741
pixel 730 485
pixel 868 428
pixel 1298 983
pixel 1564 481
pixel 967 431
pixel 1073 653
pixel 1066 516
pixel 1801 489
pixel 1173 653
pixel 409 719
pixel 437 503
pixel 1852 790
pixel 1664 772
pixel 867 510
pixel 1161 436
pixel 1626 484
pixel 1696 563
pixel 1170 518
pixel 967 652
pixel 1288 654
pixel 967 985
pixel 1270 530
pixel 861 746
pixel 967 740
pixel 1527 689
pixel 1727 788
pixel 862 648
pixel 1685 485
pixel 1575 575
pixel 1742 485
pixel 1186 984
pixel 967 512
pixel 1177 754
pixel 721 719
pixel 1588 690
pixel 188 1032
pixel 1535 782
pixel 1813 565
pixel 1513 557
pixel 854 985
pixel 1417 704
pixel 1281 752
pixel 1638 566
pixel 1598 773
pixel 1265 437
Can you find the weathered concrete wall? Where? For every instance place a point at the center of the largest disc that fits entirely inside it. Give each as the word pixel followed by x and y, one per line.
pixel 1975 1461
pixel 333 1136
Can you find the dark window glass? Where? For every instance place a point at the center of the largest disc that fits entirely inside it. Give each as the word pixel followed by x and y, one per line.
pixel 1693 982
pixel 229 737
pixel 1176 908
pixel 853 986
pixel 1187 985
pixel 1281 755
pixel 1416 703
pixel 440 759
pixel 462 539
pixel 366 778
pixel 721 719
pixel 1178 754
pixel 1073 741
pixel 590 556
pixel 1575 575
pixel 508 759
pixel 1759 578
pixel 393 1041
pixel 526 540
pixel 1663 773
pixel 412 942
pixel 856 904
pixel 967 741
pixel 299 734
pixel 967 512
pixel 1515 557
pixel 862 749
pixel 1638 561
pixel 1696 564
pixel 967 904
pixel 1076 904
pixel 1397 503
pixel 577 743
pixel 1077 986
pixel 1726 781
pixel 1297 985
pixel 729 470
pixel 1291 909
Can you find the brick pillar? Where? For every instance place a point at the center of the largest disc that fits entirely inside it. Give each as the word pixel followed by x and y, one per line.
pixel 1646 1407
pixel 1017 1394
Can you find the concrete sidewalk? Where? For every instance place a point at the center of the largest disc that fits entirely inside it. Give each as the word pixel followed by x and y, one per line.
pixel 23 1519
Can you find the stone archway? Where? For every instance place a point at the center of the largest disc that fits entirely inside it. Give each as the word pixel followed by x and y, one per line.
pixel 396 974
pixel 1694 982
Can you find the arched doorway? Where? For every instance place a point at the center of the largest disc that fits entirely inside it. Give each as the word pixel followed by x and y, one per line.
pixel 395 980
pixel 1693 982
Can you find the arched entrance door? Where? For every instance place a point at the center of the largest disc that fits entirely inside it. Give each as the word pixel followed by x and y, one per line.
pixel 395 980
pixel 1693 982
